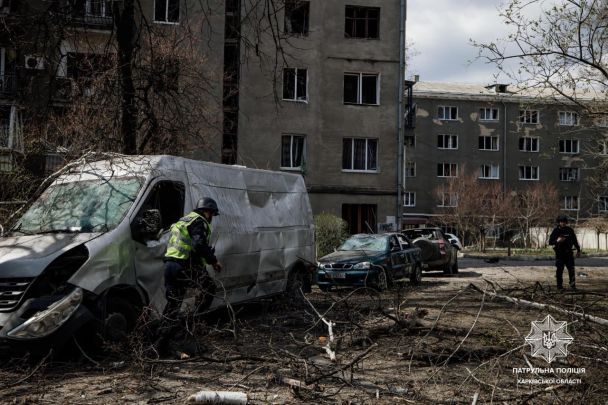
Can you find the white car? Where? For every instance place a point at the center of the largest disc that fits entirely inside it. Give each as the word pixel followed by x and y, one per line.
pixel 453 239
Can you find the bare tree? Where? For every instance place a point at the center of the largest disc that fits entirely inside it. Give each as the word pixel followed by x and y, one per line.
pixel 561 48
pixel 534 207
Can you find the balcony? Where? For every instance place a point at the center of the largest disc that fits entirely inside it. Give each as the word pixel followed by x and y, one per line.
pixel 92 14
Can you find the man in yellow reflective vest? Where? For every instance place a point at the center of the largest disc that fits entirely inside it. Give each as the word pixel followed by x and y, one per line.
pixel 188 251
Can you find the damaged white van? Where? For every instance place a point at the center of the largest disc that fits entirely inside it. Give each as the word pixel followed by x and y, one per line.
pixel 90 248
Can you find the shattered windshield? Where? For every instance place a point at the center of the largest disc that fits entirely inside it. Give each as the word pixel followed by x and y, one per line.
pixel 371 242
pixel 80 206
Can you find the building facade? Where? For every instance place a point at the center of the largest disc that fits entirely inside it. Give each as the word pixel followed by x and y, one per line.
pixel 312 87
pixel 509 138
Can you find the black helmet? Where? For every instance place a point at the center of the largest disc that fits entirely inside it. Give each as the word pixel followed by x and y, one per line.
pixel 208 204
pixel 562 218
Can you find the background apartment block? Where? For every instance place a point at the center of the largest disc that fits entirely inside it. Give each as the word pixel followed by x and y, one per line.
pixel 511 138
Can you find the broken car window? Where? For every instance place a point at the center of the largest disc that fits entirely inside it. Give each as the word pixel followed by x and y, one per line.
pixel 81 206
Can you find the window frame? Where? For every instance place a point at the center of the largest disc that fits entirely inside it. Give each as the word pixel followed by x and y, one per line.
pixel 352 158
pixel 483 116
pixel 452 199
pixel 450 108
pixel 492 138
pixel 527 117
pixel 296 70
pixel 570 201
pixel 166 20
pixel 533 140
pixel 409 167
pixel 602 201
pixel 532 168
pixel 306 23
pixel 291 152
pixel 564 143
pixel 570 118
pixel 409 198
pixel 491 167
pixel 565 174
pixel 366 20
pixel 450 141
pixel 360 76
pixel 452 169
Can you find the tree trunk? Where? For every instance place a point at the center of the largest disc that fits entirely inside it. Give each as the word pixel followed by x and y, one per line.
pixel 126 38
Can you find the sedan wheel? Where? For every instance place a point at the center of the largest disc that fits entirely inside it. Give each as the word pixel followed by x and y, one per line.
pixel 381 281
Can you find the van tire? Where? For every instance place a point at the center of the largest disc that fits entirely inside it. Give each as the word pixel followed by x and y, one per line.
pixel 119 319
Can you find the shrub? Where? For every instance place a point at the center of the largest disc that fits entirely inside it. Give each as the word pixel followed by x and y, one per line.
pixel 330 232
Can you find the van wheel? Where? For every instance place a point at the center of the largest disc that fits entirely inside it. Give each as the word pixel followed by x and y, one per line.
pixel 416 275
pixel 119 320
pixel 298 280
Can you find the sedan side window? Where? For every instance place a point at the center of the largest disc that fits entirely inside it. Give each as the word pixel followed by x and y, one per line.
pixel 404 242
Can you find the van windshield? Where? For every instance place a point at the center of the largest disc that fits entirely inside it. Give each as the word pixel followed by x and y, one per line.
pixel 80 206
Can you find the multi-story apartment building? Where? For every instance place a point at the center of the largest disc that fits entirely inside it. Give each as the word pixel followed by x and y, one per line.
pixel 314 87
pixel 338 115
pixel 509 137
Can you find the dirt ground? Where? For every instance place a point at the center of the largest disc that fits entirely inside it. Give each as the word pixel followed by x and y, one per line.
pixel 449 340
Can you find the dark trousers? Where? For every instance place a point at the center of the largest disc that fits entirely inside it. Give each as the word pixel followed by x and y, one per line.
pixel 175 287
pixel 564 260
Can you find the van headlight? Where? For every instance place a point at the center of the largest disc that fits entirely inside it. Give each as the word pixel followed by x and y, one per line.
pixel 362 266
pixel 48 321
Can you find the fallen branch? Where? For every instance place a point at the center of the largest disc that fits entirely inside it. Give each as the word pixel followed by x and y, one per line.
pixel 21 380
pixel 532 304
pixel 343 367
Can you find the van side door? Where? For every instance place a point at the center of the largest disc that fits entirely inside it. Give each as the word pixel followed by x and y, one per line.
pixel 165 199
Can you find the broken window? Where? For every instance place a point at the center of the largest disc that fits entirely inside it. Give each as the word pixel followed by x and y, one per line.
pixel 81 206
pixel 294 84
pixel 168 198
pixel 360 154
pixel 362 22
pixel 292 151
pixel 166 11
pixel 361 88
pixel 296 16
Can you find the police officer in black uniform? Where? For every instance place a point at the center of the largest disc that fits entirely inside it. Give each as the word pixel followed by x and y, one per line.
pixel 563 239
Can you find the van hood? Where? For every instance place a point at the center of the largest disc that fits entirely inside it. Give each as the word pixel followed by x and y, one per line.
pixel 351 256
pixel 29 255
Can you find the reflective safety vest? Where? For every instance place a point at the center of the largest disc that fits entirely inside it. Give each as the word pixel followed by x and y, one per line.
pixel 180 242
